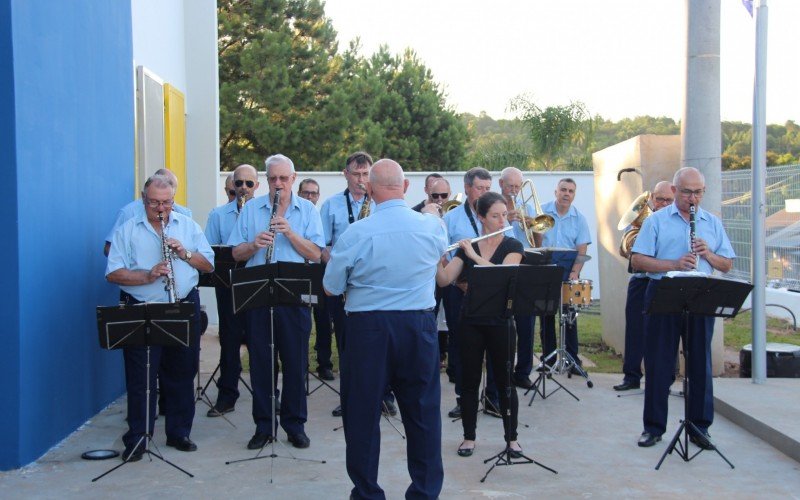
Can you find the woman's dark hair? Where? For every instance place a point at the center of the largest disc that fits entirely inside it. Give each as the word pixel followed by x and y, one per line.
pixel 486 201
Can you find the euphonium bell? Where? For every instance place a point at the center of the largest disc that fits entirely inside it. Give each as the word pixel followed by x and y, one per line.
pixel 451 204
pixel 634 218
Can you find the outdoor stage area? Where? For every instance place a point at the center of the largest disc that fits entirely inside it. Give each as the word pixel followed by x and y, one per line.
pixel 591 443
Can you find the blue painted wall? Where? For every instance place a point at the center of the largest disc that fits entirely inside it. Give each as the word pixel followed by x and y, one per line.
pixel 67 137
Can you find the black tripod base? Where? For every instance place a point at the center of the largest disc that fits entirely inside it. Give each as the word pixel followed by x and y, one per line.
pixel 540 387
pixel 505 458
pixel 150 454
pixel 681 446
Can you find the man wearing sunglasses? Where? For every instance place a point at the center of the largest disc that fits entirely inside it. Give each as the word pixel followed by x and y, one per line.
pixel 221 221
pixel 136 209
pixel 429 180
pixel 294 231
pixel 665 244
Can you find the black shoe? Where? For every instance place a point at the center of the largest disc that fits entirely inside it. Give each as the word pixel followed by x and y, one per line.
pixel 465 452
pixel 337 412
pixel 626 386
pixel 133 455
pixel 388 408
pixel 182 443
pixel 455 412
pixel 325 374
pixel 259 440
pixel 647 440
pixel 524 382
pixel 299 440
pixel 702 440
pixel 219 410
pixel 512 453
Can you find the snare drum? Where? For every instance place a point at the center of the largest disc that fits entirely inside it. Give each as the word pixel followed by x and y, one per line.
pixel 576 293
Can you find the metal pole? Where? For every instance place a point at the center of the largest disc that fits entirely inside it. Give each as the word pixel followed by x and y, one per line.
pixel 759 165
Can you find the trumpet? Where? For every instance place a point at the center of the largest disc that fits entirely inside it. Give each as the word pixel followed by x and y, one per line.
pixel 365 205
pixel 540 223
pixel 166 255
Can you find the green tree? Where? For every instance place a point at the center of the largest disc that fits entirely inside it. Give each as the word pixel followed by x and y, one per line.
pixel 553 129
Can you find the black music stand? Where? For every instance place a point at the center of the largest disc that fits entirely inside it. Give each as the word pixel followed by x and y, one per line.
pixel 270 285
pixel 220 277
pixel 144 325
pixel 685 294
pixel 506 290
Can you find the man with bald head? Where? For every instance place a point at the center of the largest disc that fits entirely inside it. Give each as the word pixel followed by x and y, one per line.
pixel 391 333
pixel 221 221
pixel 664 245
pixel 660 197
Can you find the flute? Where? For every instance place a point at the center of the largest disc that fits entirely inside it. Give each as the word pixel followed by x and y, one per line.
pixel 479 238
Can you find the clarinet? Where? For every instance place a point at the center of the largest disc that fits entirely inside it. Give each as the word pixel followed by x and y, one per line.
pixel 692 231
pixel 166 254
pixel 275 201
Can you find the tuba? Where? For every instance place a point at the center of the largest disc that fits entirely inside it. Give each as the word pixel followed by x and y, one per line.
pixel 633 217
pixel 541 223
pixel 364 212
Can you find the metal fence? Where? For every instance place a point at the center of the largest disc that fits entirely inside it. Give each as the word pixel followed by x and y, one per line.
pixel 782 227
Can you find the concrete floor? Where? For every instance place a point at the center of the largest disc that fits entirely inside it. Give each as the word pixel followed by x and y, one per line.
pixel 591 443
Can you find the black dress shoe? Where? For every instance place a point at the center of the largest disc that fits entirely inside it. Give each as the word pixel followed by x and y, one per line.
pixel 626 386
pixel 133 454
pixel 219 409
pixel 455 412
pixel 703 441
pixel 259 440
pixel 182 443
pixel 512 453
pixel 299 440
pixel 524 382
pixel 647 440
pixel 388 408
pixel 337 412
pixel 325 374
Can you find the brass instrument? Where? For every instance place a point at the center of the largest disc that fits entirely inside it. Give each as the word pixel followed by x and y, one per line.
pixel 451 204
pixel 633 217
pixel 240 202
pixel 166 255
pixel 275 201
pixel 541 223
pixel 365 205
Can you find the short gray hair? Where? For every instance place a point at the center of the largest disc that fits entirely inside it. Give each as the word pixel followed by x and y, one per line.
pixel 159 181
pixel 278 158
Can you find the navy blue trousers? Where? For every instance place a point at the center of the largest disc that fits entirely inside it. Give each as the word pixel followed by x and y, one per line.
pixel 176 368
pixel 292 331
pixel 662 333
pixel 322 344
pixel 397 348
pixel 453 299
pixel 231 336
pixel 524 326
pixel 548 335
pixel 634 330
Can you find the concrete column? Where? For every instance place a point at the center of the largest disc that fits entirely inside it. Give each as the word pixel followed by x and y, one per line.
pixel 701 132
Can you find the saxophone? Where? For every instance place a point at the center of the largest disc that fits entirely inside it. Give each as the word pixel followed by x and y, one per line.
pixel 166 254
pixel 365 205
pixel 240 203
pixel 275 200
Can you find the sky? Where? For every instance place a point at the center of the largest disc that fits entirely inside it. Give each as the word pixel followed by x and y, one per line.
pixel 621 58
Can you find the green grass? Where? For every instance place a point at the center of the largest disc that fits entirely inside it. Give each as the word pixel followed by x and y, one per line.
pixel 739 331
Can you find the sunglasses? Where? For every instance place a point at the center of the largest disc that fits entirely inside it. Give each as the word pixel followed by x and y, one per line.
pixel 440 195
pixel 240 183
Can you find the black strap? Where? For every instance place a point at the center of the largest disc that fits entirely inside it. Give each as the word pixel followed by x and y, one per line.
pixel 471 218
pixel 350 217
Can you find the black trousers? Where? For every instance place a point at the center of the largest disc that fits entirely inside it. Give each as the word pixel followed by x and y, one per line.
pixel 499 342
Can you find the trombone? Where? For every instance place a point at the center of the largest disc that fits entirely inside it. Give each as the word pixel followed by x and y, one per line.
pixel 541 223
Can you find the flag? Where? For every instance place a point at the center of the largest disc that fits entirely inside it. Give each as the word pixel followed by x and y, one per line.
pixel 748 4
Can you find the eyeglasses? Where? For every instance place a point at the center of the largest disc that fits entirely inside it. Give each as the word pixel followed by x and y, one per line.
pixel 232 192
pixel 309 193
pixel 443 196
pixel 240 183
pixel 689 192
pixel 156 203
pixel 275 178
pixel 659 199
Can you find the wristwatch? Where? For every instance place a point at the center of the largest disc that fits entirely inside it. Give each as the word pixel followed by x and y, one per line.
pixel 188 256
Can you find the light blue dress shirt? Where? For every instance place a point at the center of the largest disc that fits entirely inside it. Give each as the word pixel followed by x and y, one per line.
pixel 569 231
pixel 335 216
pixel 136 209
pixel 220 223
pixel 387 262
pixel 665 235
pixel 136 246
pixel 459 227
pixel 303 218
